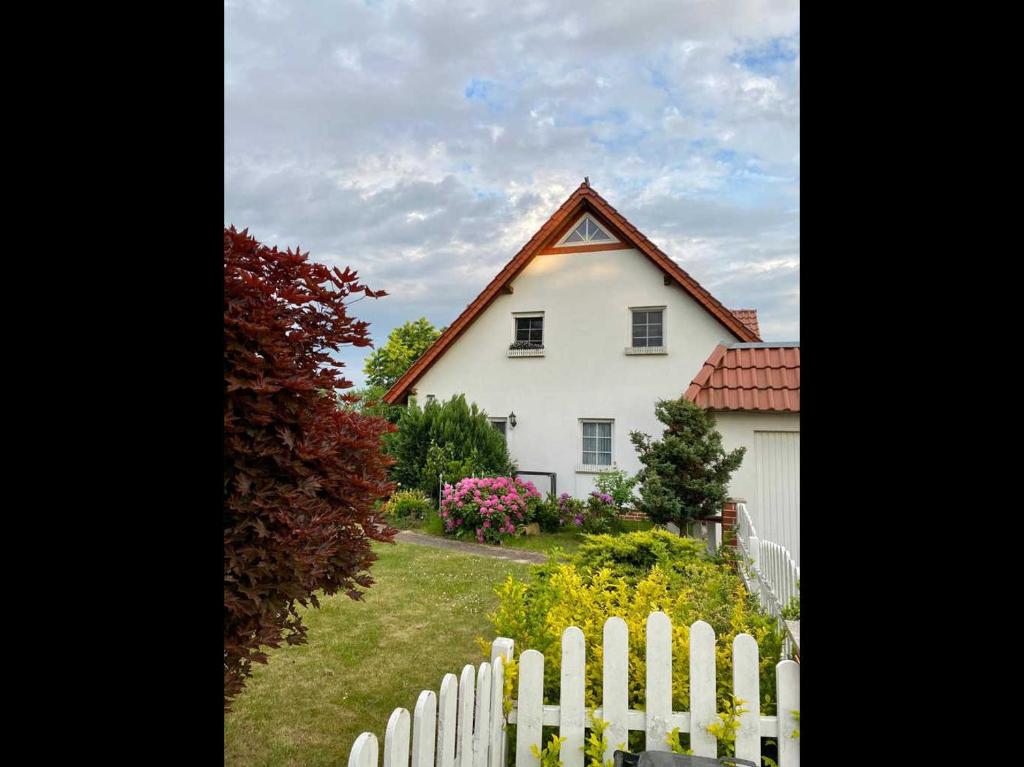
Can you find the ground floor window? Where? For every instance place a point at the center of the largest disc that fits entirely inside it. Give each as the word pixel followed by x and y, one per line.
pixel 499 424
pixel 597 442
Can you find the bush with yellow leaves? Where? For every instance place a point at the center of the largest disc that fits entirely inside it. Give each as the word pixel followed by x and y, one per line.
pixel 630 576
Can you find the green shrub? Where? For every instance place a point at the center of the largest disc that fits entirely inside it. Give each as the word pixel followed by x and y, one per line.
pixel 633 555
pixel 601 514
pixel 544 513
pixel 686 473
pixel 451 438
pixel 407 506
pixel 618 485
pixel 630 576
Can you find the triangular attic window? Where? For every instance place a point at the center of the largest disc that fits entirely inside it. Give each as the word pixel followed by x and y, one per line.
pixel 587 230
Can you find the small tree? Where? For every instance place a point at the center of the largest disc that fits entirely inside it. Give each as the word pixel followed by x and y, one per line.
pixel 370 401
pixel 451 438
pixel 301 474
pixel 686 472
pixel 404 346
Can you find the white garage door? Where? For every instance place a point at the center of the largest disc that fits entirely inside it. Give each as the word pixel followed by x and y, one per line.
pixel 777 456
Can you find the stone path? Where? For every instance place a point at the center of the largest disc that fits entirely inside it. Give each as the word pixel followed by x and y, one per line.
pixel 494 552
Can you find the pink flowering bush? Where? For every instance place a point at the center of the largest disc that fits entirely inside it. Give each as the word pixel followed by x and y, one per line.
pixel 489 508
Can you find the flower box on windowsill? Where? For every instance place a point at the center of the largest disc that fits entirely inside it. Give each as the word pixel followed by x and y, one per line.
pixel 587 468
pixel 525 351
pixel 646 350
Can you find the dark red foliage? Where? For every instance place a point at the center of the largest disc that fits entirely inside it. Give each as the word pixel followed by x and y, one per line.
pixel 301 474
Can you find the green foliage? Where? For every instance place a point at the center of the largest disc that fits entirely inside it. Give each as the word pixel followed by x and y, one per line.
pixel 370 401
pixel 674 740
pixel 407 506
pixel 602 514
pixel 597 743
pixel 630 576
pixel 618 484
pixel 634 555
pixel 404 346
pixel 544 513
pixel 549 756
pixel 796 732
pixel 451 438
pixel 728 725
pixel 687 471
pixel 791 612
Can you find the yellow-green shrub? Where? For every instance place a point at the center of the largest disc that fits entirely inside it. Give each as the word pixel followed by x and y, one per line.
pixel 408 505
pixel 685 586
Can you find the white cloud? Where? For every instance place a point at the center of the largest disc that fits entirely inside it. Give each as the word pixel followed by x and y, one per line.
pixel 349 131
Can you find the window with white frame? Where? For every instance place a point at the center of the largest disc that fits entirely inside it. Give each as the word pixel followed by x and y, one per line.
pixel 648 327
pixel 597 442
pixel 528 331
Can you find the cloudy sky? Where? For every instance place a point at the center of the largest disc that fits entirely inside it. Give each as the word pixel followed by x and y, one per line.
pixel 423 143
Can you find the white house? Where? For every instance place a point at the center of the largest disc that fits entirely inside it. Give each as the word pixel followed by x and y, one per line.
pixel 571 344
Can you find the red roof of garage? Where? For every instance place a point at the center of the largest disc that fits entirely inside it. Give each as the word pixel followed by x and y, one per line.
pixel 749 376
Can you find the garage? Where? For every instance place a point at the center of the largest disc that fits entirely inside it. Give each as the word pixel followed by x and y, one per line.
pixel 753 390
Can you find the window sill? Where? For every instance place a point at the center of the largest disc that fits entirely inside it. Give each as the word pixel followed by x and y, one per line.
pixel 525 352
pixel 583 468
pixel 646 350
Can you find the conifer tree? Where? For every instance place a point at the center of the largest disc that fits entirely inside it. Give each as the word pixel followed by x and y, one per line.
pixel 686 473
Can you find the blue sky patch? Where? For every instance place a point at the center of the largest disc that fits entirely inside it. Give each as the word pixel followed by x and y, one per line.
pixel 768 57
pixel 487 92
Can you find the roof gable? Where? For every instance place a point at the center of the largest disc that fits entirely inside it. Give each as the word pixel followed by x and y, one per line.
pixel 582 201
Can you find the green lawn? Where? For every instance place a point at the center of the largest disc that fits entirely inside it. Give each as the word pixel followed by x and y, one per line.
pixel 566 540
pixel 420 620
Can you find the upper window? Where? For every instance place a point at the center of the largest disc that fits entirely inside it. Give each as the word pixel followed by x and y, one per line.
pixel 597 443
pixel 648 327
pixel 587 230
pixel 530 329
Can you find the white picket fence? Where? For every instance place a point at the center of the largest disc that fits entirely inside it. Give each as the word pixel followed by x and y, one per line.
pixel 464 726
pixel 772 573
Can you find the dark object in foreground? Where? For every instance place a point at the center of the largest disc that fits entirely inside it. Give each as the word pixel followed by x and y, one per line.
pixel 669 759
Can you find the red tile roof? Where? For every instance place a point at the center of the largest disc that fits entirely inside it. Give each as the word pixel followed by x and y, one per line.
pixel 756 376
pixel 749 318
pixel 583 200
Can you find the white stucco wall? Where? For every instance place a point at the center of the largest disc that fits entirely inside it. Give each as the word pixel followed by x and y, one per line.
pixel 585 373
pixel 738 430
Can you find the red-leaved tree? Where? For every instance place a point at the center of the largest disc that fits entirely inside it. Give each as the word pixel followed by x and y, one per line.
pixel 301 474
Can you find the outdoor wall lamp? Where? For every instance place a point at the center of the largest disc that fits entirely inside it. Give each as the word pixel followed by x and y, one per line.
pixel 512 419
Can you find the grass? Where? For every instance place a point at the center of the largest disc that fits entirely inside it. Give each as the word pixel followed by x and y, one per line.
pixel 419 621
pixel 566 540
